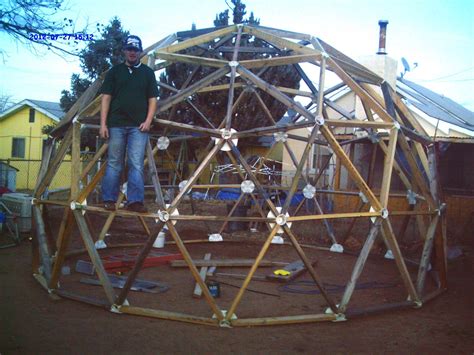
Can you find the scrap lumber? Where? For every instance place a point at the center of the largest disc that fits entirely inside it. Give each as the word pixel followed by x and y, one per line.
pixel 124 262
pixel 203 272
pixel 227 263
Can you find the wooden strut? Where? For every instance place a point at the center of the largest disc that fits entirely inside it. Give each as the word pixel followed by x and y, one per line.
pixel 95 258
pixel 359 265
pixel 149 244
pixel 391 109
pixel 230 98
pixel 426 254
pixel 295 162
pixel 265 247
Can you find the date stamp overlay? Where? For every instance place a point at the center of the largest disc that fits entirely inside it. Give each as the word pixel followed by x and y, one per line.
pixel 61 36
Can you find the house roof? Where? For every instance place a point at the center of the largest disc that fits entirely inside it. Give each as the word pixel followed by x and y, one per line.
pixel 435 105
pixel 50 109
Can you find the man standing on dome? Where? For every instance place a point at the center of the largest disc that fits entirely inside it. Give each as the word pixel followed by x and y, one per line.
pixel 128 105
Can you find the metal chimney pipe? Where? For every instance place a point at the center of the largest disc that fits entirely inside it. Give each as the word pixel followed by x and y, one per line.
pixel 382 36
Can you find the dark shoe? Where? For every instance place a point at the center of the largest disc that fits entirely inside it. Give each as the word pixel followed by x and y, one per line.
pixel 109 205
pixel 136 207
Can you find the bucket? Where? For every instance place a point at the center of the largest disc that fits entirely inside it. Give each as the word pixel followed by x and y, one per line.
pixel 160 240
pixel 214 288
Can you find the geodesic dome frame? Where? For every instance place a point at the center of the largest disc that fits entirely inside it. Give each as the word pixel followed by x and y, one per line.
pixel 385 116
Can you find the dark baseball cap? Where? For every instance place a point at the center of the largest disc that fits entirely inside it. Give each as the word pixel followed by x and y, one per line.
pixel 133 42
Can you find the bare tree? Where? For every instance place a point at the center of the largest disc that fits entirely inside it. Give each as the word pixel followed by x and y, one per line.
pixel 5 101
pixel 33 23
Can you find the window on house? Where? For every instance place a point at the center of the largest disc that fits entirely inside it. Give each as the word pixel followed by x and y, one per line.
pixel 32 115
pixel 18 148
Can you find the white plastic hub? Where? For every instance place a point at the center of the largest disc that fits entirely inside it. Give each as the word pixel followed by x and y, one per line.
pixel 278 239
pixel 100 244
pixel 373 219
pixel 337 248
pixel 319 120
pixel 280 136
pixel 164 216
pixel 226 135
pixel 247 186
pixel 309 191
pixel 215 237
pixel 389 255
pixel 281 220
pixel 163 143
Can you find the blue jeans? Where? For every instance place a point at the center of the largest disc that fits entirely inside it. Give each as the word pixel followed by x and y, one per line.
pixel 134 141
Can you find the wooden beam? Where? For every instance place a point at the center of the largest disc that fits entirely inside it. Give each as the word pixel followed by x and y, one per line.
pixel 371 102
pixel 44 253
pixel 251 273
pixel 153 313
pixel 191 59
pixel 391 241
pixel 226 263
pixel 273 91
pixel 277 61
pixel 359 265
pixel 359 124
pixel 278 42
pixel 54 164
pixel 199 40
pixel 202 273
pixel 388 168
pixel 307 318
pixel 426 255
pixel 192 267
pixel 165 104
pixel 351 169
pixel 95 258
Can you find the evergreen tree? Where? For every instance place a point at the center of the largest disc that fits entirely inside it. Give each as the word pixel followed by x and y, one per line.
pixel 213 105
pixel 96 58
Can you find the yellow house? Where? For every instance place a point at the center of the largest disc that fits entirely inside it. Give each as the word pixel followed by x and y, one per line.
pixel 21 139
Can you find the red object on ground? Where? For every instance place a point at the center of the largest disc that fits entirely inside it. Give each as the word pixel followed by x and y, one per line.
pixel 126 261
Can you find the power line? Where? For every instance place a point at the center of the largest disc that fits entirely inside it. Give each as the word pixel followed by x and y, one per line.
pixel 450 75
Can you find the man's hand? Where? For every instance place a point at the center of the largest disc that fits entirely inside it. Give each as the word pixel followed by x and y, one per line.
pixel 104 111
pixel 145 126
pixel 104 132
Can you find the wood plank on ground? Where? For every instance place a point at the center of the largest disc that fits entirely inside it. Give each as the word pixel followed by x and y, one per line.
pixel 203 272
pixel 228 263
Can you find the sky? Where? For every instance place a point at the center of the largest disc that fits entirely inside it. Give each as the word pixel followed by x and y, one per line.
pixel 436 34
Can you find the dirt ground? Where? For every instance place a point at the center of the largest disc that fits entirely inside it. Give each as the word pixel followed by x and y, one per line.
pixel 32 323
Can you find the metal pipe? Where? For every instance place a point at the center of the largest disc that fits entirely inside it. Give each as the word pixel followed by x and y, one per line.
pixel 382 36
